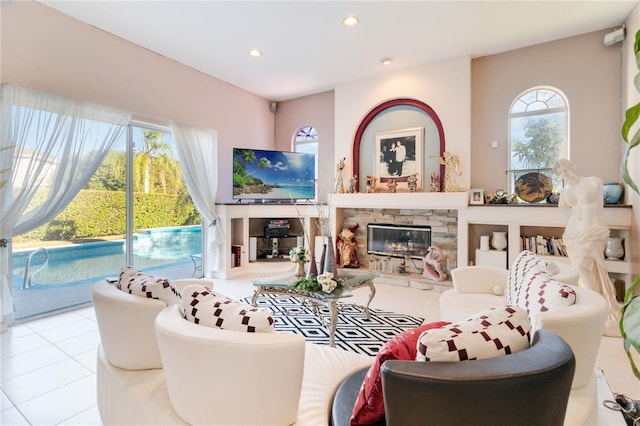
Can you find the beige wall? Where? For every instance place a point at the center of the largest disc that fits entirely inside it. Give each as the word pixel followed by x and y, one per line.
pixel 46 50
pixel 317 111
pixel 584 69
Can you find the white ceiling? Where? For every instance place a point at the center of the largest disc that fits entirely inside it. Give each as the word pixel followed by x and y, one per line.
pixel 306 49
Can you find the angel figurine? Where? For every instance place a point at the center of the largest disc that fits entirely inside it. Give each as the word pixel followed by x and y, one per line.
pixel 451 166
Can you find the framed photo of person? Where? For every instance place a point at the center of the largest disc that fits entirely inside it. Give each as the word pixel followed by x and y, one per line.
pixel 398 155
pixel 476 196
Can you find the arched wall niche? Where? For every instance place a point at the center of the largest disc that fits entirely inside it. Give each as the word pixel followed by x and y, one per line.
pixel 394 104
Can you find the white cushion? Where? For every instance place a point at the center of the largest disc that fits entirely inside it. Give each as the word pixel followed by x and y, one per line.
pixel 495 332
pixel 203 306
pixel 141 283
pixel 531 287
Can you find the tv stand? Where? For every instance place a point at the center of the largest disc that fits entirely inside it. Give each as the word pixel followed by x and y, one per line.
pixel 244 225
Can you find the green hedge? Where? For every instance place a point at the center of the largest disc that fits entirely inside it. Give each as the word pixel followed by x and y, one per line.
pixel 94 214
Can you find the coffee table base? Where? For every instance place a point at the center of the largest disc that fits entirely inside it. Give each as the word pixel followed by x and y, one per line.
pixel 330 303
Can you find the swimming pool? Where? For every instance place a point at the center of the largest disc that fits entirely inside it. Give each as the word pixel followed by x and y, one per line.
pixel 80 263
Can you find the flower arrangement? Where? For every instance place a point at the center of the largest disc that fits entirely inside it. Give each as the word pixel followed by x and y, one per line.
pixel 299 255
pixel 324 282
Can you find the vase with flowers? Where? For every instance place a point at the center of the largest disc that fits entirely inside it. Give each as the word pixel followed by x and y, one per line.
pixel 299 256
pixel 326 282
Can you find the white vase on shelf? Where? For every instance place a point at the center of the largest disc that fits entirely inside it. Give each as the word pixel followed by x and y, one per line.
pixel 499 240
pixel 614 249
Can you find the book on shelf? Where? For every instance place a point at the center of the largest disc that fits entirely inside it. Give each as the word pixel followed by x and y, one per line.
pixel 236 256
pixel 546 246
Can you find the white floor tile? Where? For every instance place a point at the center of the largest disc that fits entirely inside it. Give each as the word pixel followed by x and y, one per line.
pixel 91 417
pixel 67 331
pixel 20 345
pixel 61 404
pixel 12 417
pixel 15 332
pixel 88 359
pixel 5 404
pixel 43 380
pixel 80 344
pixel 29 361
pixel 54 321
pixel 88 313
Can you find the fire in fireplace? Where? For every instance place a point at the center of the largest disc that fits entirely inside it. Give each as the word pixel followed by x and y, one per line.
pixel 398 240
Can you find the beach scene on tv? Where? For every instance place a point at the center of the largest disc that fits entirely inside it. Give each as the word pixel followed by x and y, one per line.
pixel 273 175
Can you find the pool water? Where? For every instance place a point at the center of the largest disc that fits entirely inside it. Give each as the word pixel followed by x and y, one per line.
pixel 79 263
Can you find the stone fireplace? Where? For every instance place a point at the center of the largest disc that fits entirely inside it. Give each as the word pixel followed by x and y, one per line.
pixel 441 223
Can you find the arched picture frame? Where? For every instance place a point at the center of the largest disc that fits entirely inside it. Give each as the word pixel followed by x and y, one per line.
pixel 376 111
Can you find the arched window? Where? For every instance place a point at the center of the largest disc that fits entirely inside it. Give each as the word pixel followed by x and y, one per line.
pixel 538 132
pixel 306 140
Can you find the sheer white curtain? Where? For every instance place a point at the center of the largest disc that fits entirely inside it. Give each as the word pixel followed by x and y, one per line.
pixel 50 146
pixel 198 155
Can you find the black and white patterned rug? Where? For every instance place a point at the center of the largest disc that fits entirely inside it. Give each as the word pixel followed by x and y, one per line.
pixel 354 332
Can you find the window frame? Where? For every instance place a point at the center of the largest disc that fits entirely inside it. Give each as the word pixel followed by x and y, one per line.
pixel 565 152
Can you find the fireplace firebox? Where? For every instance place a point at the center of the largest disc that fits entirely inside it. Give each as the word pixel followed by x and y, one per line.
pixel 398 240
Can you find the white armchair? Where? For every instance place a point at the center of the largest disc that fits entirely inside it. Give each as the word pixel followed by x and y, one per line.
pixel 126 325
pixel 224 377
pixel 476 288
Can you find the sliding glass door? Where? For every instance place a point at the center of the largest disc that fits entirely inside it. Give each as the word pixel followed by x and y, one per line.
pixel 165 225
pixel 135 210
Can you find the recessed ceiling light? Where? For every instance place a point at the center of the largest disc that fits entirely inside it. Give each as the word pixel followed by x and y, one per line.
pixel 255 53
pixel 350 21
pixel 386 61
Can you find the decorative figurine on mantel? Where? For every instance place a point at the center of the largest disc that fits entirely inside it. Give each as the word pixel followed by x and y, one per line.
pixel 431 264
pixel 353 184
pixel 412 182
pixel 434 186
pixel 370 184
pixel 585 236
pixel 391 185
pixel 451 166
pixel 339 179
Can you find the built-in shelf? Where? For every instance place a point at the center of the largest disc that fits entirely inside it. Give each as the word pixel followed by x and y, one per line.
pixel 522 220
pixel 242 221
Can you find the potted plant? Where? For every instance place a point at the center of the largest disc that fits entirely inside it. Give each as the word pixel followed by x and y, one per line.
pixel 630 312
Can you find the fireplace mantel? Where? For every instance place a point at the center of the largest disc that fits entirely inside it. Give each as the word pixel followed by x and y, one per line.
pixel 404 200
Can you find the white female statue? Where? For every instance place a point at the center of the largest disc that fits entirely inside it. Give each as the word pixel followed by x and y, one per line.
pixel 585 235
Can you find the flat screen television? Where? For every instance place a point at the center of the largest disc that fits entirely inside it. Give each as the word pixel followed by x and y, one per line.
pixel 260 174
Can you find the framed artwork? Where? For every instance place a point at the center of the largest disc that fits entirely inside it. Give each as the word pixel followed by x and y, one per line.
pixel 476 196
pixel 399 155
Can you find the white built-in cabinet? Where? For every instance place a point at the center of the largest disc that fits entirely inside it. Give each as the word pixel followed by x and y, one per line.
pixel 547 221
pixel 243 227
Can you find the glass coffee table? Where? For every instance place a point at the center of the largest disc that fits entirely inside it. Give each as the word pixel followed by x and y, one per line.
pixel 281 284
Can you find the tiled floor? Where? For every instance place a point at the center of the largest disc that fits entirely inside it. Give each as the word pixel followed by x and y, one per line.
pixel 48 365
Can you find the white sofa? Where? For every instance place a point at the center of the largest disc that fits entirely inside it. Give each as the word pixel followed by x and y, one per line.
pixel 208 370
pixel 476 288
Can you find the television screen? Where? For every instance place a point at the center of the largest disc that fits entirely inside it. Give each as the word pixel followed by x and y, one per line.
pixel 273 175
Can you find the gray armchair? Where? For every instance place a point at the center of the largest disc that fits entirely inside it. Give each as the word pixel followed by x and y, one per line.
pixel 530 387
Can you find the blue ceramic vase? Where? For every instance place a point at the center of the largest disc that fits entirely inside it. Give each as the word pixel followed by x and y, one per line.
pixel 612 192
